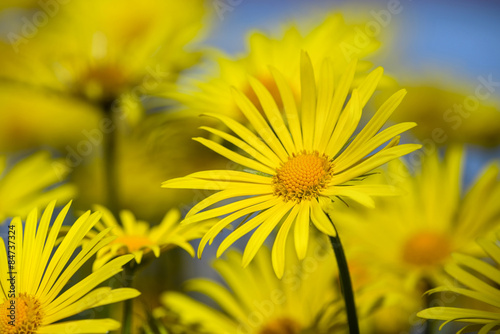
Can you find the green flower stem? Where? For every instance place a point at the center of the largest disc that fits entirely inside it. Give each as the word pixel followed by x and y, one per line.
pixel 345 284
pixel 109 157
pixel 128 305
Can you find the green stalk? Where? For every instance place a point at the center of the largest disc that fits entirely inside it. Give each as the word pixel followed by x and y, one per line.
pixel 345 284
pixel 128 305
pixel 110 163
pixel 109 156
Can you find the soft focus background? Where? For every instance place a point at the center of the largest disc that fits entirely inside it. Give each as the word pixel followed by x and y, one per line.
pixel 440 51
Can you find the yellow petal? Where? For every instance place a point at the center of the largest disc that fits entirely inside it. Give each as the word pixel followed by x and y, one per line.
pixel 238 158
pixel 291 113
pixel 308 99
pixel 259 123
pixel 263 231
pixel 250 225
pixel 339 98
pixel 301 230
pixel 273 115
pixel 279 247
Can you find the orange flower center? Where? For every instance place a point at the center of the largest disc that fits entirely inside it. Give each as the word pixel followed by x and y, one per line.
pixel 302 177
pixel 133 243
pixel 22 314
pixel 427 249
pixel 281 326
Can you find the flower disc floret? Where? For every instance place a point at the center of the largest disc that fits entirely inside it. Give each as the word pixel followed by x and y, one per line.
pixel 302 177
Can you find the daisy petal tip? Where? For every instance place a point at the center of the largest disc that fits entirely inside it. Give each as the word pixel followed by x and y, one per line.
pixel 412 124
pixel 245 262
pixel 199 252
pixel 279 270
pixel 190 251
pixel 128 257
pixel 220 251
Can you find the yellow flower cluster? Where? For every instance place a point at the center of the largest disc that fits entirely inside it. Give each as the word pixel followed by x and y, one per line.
pixel 349 206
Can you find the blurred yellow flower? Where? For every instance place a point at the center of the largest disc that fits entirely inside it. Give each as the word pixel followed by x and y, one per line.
pixel 112 47
pixel 332 38
pixel 306 300
pixel 138 238
pixel 31 182
pixel 299 162
pixel 414 235
pixel 104 55
pixel 37 273
pixel 478 280
pixel 446 117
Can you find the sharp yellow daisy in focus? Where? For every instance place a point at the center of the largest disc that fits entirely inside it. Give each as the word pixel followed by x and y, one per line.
pixel 479 280
pixel 24 186
pixel 33 274
pixel 138 238
pixel 297 161
pixel 257 302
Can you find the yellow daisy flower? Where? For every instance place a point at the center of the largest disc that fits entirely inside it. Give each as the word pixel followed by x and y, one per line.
pixel 332 38
pixel 415 234
pixel 299 162
pixel 33 274
pixel 105 48
pixel 256 301
pixel 24 185
pixel 92 55
pixel 479 280
pixel 138 238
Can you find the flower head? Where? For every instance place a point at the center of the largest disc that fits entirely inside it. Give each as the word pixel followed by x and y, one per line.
pixel 479 281
pixel 34 273
pixel 298 161
pixel 93 56
pixel 415 234
pixel 138 238
pixel 24 185
pixel 99 58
